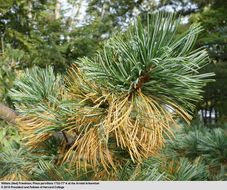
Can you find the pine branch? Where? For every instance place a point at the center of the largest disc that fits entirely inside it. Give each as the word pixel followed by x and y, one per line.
pixel 7 114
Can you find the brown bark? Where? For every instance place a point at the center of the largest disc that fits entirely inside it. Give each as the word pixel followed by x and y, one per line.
pixel 7 114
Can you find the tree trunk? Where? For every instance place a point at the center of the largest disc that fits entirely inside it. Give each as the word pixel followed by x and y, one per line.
pixel 29 10
pixel 103 11
pixel 216 115
pixel 2 45
pixel 76 11
pixel 57 9
pixel 7 114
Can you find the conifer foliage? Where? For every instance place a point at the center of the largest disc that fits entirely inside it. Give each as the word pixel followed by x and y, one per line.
pixel 119 105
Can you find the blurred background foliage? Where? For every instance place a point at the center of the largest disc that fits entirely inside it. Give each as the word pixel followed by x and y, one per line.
pixel 53 33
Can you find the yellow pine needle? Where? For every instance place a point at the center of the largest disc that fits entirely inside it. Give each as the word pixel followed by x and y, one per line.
pixel 28 126
pixel 89 151
pixel 23 176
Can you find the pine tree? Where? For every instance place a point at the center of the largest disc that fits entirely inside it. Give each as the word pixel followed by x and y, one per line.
pixel 115 108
